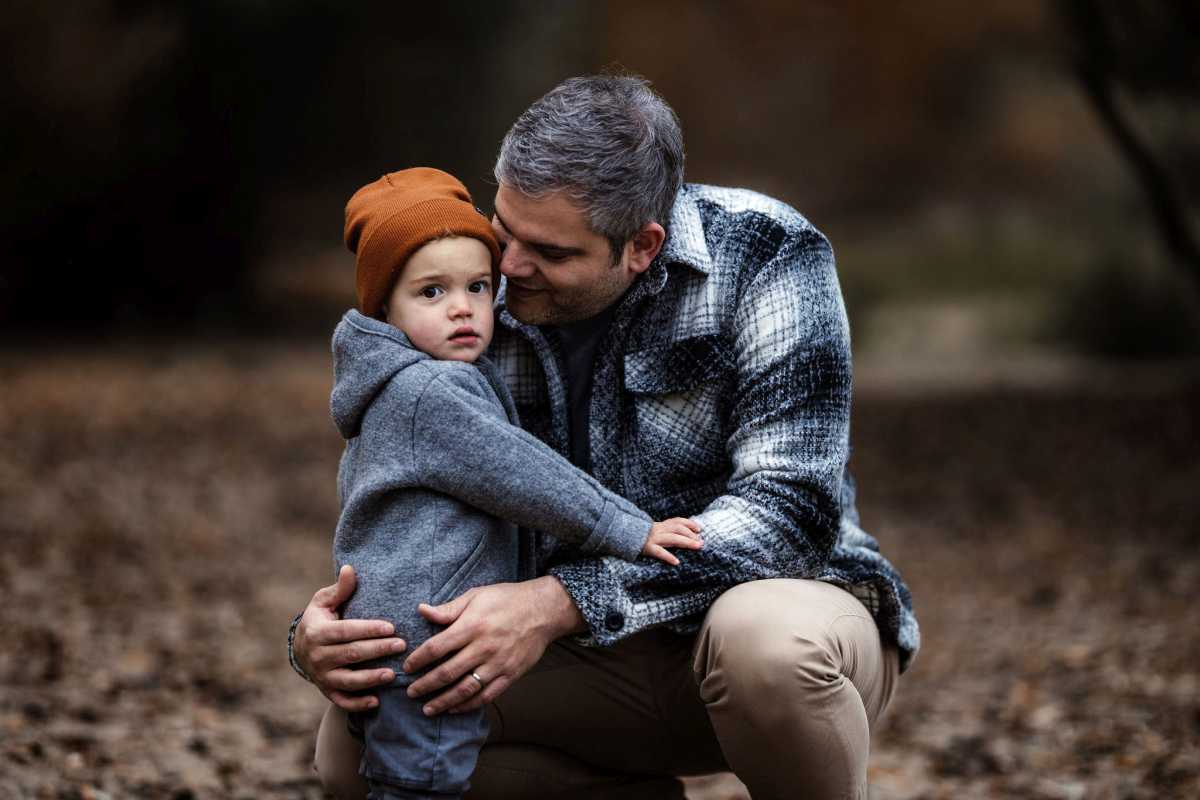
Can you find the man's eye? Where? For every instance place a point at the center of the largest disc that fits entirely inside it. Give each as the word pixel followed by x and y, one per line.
pixel 431 291
pixel 478 287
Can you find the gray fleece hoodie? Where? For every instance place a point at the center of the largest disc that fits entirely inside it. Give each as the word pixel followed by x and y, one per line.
pixel 436 478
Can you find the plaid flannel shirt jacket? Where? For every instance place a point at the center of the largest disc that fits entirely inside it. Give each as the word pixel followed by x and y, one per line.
pixel 720 392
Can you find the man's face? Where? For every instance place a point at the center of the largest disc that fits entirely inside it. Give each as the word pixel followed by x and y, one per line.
pixel 443 299
pixel 558 270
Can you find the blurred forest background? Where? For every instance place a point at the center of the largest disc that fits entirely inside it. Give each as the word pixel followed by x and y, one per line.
pixel 1012 193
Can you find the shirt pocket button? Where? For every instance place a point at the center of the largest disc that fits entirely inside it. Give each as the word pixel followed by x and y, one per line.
pixel 614 621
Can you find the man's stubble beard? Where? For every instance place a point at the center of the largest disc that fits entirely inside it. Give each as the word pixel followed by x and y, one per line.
pixel 578 305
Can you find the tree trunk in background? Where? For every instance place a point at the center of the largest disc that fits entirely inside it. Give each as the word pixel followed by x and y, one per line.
pixel 1154 57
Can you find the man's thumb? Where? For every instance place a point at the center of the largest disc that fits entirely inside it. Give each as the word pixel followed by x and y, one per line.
pixel 347 581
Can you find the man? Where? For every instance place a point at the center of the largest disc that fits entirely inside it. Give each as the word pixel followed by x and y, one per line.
pixel 688 346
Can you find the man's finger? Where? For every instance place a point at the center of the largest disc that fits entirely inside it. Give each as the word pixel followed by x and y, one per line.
pixel 349 630
pixel 356 680
pixel 443 675
pixel 461 693
pixel 338 593
pixel 490 692
pixel 446 613
pixel 353 702
pixel 494 689
pixel 449 640
pixel 331 657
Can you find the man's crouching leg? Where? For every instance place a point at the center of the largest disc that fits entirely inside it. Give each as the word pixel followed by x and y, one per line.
pixel 793 675
pixel 504 771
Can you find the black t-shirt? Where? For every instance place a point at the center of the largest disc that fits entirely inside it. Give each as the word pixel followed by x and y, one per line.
pixel 579 341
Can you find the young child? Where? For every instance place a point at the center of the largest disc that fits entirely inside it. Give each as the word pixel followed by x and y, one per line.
pixel 436 476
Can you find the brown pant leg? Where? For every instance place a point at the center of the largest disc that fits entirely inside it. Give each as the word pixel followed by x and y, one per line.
pixel 793 675
pixel 587 722
pixel 580 724
pixel 512 771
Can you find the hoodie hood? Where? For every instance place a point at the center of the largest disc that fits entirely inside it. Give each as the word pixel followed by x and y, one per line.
pixel 367 353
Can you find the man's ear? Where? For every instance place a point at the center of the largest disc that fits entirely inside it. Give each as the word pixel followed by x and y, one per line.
pixel 644 246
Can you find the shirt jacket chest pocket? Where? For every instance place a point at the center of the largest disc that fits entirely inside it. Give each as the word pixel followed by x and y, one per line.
pixel 675 433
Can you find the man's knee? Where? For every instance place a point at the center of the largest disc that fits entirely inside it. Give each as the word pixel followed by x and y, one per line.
pixel 775 635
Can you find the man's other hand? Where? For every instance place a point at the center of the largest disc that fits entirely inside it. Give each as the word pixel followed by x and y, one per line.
pixel 325 645
pixel 499 632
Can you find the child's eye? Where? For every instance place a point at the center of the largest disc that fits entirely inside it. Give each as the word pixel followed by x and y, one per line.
pixel 431 291
pixel 478 287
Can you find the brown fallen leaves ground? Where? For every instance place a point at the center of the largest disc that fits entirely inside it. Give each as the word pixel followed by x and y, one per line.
pixel 163 514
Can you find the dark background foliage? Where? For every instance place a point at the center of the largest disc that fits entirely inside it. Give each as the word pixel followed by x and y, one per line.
pixel 163 156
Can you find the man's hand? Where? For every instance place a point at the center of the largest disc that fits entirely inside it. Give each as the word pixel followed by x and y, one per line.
pixel 325 644
pixel 499 631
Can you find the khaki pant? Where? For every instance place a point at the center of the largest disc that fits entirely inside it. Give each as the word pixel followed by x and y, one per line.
pixel 781 686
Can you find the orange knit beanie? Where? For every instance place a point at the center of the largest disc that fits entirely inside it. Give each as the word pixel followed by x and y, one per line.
pixel 390 219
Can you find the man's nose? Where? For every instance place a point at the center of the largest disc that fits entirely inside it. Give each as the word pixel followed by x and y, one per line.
pixel 513 263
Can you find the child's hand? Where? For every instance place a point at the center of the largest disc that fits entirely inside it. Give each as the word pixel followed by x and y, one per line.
pixel 673 532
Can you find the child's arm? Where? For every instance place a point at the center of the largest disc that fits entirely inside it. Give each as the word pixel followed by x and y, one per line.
pixel 464 446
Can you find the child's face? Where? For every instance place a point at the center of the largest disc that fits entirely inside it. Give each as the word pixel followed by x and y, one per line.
pixel 443 299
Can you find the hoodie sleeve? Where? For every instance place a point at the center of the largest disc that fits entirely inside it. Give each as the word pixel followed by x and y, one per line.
pixel 464 446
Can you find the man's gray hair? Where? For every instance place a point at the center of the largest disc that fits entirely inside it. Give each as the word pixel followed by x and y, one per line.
pixel 610 142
